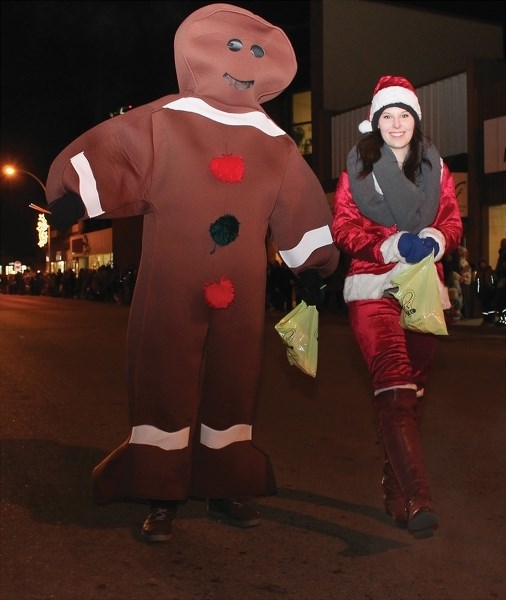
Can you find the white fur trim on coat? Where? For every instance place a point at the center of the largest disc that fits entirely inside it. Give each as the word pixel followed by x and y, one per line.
pixel 438 236
pixel 368 286
pixel 390 250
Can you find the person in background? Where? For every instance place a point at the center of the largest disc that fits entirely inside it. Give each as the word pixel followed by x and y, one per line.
pixel 485 291
pixel 281 284
pixel 455 295
pixel 500 292
pixel 451 272
pixel 466 278
pixel 394 205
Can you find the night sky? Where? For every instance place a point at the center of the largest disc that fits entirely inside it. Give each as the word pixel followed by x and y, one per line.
pixel 67 65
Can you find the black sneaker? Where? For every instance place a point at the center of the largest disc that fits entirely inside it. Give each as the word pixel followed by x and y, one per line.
pixel 232 512
pixel 158 525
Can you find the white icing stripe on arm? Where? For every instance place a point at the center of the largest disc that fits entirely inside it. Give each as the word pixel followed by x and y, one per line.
pixel 152 436
pixel 311 241
pixel 215 439
pixel 255 118
pixel 87 185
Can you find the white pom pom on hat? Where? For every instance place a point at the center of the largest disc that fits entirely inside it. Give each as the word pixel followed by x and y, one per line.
pixel 365 126
pixel 391 90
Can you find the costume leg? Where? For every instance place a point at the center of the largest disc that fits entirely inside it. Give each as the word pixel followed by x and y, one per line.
pixel 226 463
pixel 164 356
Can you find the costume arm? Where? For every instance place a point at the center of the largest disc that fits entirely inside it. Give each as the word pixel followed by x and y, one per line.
pixel 301 219
pixel 108 167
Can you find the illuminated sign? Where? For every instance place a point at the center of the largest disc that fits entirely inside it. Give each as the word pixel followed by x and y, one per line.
pixel 42 228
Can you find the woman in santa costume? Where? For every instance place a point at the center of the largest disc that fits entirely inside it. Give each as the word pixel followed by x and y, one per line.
pixel 395 204
pixel 211 173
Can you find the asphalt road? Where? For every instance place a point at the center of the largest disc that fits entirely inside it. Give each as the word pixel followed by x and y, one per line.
pixel 324 536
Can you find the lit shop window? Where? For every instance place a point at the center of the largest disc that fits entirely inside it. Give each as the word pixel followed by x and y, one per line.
pixel 302 126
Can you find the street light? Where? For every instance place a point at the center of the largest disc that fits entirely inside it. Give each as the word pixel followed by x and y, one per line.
pixel 11 171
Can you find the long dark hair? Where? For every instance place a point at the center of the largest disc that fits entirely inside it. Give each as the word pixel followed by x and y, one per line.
pixel 369 150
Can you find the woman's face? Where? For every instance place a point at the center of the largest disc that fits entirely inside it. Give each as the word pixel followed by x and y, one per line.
pixel 396 126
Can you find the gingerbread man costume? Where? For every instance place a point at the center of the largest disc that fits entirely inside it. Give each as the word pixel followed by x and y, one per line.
pixel 211 173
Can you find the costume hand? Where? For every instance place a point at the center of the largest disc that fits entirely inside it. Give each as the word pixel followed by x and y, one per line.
pixel 431 244
pixel 412 248
pixel 310 287
pixel 65 211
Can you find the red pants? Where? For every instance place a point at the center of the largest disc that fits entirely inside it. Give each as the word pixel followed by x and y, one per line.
pixel 395 357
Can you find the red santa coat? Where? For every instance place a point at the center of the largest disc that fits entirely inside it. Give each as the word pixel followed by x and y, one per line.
pixel 211 173
pixel 373 247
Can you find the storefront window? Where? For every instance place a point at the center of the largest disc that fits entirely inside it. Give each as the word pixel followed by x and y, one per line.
pixel 302 126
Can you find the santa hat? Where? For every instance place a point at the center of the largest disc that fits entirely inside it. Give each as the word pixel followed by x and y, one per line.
pixel 391 91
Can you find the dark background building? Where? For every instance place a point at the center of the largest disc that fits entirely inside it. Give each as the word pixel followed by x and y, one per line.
pixel 68 65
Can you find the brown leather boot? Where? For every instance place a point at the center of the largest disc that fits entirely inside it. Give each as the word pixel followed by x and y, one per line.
pixel 393 496
pixel 397 412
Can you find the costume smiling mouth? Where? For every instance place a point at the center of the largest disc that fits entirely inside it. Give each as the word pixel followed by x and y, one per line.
pixel 237 83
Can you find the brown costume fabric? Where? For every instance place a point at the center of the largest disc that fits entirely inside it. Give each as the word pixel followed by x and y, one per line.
pixel 187 362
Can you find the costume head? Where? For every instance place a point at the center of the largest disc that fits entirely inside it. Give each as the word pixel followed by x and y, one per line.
pixel 230 55
pixel 391 91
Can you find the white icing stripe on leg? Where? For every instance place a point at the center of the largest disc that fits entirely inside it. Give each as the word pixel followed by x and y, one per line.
pixel 87 185
pixel 311 241
pixel 152 436
pixel 215 439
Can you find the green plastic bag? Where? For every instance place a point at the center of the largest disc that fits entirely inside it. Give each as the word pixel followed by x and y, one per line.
pixel 299 331
pixel 418 295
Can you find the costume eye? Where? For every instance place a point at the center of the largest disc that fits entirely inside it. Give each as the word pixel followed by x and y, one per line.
pixel 257 51
pixel 234 45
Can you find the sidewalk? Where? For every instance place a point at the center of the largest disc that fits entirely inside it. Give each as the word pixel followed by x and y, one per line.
pixel 476 322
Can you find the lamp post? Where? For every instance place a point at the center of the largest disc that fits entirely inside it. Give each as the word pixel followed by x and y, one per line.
pixel 11 171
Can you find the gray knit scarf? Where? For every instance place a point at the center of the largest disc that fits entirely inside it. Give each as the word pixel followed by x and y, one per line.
pixel 411 207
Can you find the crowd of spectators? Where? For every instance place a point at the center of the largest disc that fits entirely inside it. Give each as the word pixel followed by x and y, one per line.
pixel 474 290
pixel 104 284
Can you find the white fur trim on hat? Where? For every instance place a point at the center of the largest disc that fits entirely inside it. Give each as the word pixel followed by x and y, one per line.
pixel 394 95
